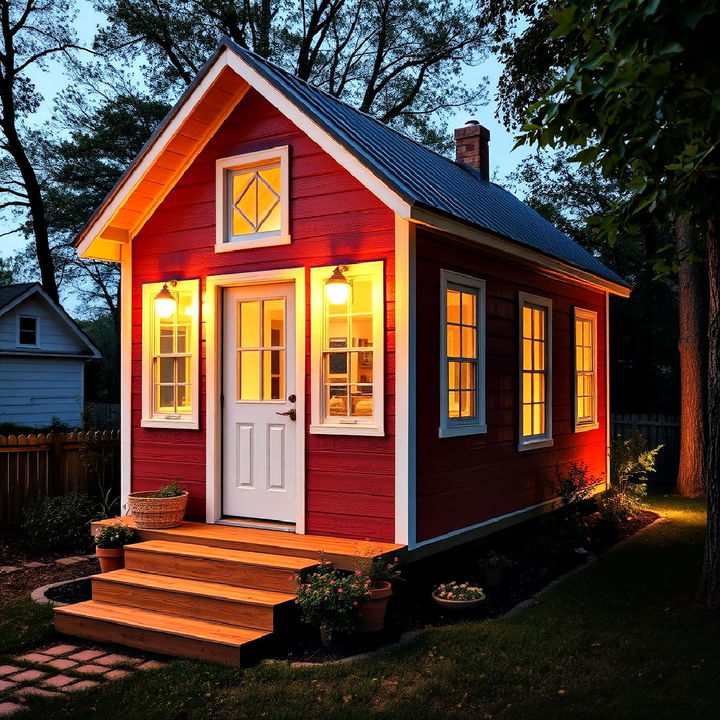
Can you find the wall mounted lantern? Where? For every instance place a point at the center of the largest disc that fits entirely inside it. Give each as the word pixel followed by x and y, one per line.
pixel 165 302
pixel 337 286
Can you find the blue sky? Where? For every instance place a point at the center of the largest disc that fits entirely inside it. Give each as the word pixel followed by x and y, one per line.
pixel 503 159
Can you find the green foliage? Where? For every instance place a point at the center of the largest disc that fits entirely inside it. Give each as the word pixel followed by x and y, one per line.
pixel 115 535
pixel 60 523
pixel 171 489
pixel 574 485
pixel 109 503
pixel 630 465
pixel 459 591
pixel 329 598
pixel 641 94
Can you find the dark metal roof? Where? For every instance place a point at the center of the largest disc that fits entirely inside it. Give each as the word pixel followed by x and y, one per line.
pixel 425 178
pixel 8 293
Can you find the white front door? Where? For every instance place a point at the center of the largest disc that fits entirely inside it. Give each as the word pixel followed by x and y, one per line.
pixel 259 430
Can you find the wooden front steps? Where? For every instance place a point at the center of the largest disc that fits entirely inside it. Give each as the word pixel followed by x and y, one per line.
pixel 211 592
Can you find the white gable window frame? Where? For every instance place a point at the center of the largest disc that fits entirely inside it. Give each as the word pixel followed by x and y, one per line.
pixel 528 372
pixel 585 370
pixel 322 348
pixel 35 330
pixel 225 170
pixel 473 356
pixel 189 292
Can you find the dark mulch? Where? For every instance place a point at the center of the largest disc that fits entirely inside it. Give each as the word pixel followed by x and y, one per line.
pixel 15 551
pixel 539 550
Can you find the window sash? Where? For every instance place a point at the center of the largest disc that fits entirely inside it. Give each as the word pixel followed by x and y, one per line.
pixel 27 335
pixel 585 363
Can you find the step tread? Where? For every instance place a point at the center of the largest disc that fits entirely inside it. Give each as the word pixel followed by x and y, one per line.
pixel 165 547
pixel 160 622
pixel 313 544
pixel 221 591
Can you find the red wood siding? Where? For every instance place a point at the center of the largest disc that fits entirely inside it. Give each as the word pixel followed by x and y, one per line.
pixel 462 481
pixel 333 219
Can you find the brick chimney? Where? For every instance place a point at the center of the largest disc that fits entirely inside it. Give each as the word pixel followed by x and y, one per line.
pixel 471 147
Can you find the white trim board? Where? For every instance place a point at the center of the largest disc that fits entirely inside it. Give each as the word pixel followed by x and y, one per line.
pixel 212 312
pixel 125 374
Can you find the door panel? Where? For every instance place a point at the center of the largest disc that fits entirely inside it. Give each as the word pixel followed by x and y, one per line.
pixel 259 432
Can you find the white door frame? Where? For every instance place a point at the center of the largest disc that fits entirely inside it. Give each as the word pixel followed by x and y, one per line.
pixel 212 314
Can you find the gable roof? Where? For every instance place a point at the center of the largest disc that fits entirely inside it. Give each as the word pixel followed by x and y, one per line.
pixel 401 172
pixel 13 295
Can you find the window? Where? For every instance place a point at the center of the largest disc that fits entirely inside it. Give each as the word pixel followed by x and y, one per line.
pixel 27 331
pixel 252 203
pixel 170 357
pixel 535 371
pixel 462 366
pixel 585 370
pixel 347 353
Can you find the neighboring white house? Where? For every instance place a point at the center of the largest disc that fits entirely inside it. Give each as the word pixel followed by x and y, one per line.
pixel 42 359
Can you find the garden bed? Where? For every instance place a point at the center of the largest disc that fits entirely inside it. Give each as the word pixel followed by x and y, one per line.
pixel 538 552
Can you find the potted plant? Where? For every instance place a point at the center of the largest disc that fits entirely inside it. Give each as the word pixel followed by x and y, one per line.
pixel 458 596
pixel 159 509
pixel 110 543
pixel 381 573
pixel 329 598
pixel 495 568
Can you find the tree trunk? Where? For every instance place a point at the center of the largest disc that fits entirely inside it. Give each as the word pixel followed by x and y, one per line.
pixel 691 470
pixel 709 590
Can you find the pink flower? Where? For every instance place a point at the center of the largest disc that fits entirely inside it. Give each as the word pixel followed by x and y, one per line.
pixel 340 590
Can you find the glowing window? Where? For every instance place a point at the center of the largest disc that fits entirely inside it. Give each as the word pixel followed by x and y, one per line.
pixel 535 371
pixel 348 353
pixel 585 369
pixel 462 363
pixel 252 200
pixel 170 393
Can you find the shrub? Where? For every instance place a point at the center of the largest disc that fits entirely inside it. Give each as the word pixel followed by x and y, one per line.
pixel 371 564
pixel 171 489
pixel 495 560
pixel 630 465
pixel 329 598
pixel 60 523
pixel 574 485
pixel 115 535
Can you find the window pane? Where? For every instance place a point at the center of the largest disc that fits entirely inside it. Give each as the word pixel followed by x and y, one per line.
pixel 469 342
pixel 273 374
pixel 244 202
pixel 249 375
pixel 538 324
pixel 539 360
pixel 361 331
pixel 183 398
pixel 182 368
pixel 468 376
pixel 165 339
pixel 467 404
pixel 274 323
pixel 166 398
pixel 454 375
pixel 538 387
pixel 453 306
pixel 337 331
pixel 527 420
pixel 167 370
pixel 527 322
pixel 361 367
pixel 362 295
pixel 527 354
pixel 453 340
pixel 454 404
pixel 181 338
pixel 539 419
pixel 361 400
pixel 337 400
pixel 468 308
pixel 527 388
pixel 337 366
pixel 249 330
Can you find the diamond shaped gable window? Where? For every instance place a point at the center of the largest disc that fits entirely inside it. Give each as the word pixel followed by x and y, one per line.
pixel 256 201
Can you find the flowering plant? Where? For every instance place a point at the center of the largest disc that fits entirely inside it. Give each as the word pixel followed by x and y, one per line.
pixel 458 591
pixel 115 535
pixel 370 563
pixel 329 598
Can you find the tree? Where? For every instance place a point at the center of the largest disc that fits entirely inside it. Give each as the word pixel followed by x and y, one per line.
pixel 398 60
pixel 642 93
pixel 7 276
pixel 31 33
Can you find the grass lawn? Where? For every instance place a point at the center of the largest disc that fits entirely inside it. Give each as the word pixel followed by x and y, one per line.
pixel 619 640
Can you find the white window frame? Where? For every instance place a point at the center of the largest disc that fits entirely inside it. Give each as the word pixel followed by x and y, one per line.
pixel 532 442
pixel 150 419
pixel 591 316
pixel 24 316
pixel 319 424
pixel 453 427
pixel 224 242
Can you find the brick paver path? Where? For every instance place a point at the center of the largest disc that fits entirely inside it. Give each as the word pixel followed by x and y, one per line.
pixel 59 669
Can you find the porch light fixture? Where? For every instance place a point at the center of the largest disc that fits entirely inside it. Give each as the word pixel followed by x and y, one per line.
pixel 165 302
pixel 337 286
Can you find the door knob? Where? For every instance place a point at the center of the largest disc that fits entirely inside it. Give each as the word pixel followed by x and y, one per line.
pixel 289 413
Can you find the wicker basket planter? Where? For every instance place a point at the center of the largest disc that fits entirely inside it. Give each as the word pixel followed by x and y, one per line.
pixel 157 513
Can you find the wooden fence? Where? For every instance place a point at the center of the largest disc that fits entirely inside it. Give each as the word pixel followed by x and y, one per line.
pixel 103 416
pixel 34 466
pixel 657 430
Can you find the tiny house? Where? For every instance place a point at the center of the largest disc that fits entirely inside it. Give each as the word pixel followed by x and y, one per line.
pixel 332 332
pixel 42 359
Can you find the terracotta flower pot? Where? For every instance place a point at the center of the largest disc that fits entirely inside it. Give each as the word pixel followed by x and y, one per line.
pixel 156 513
pixel 111 559
pixel 457 604
pixel 371 612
